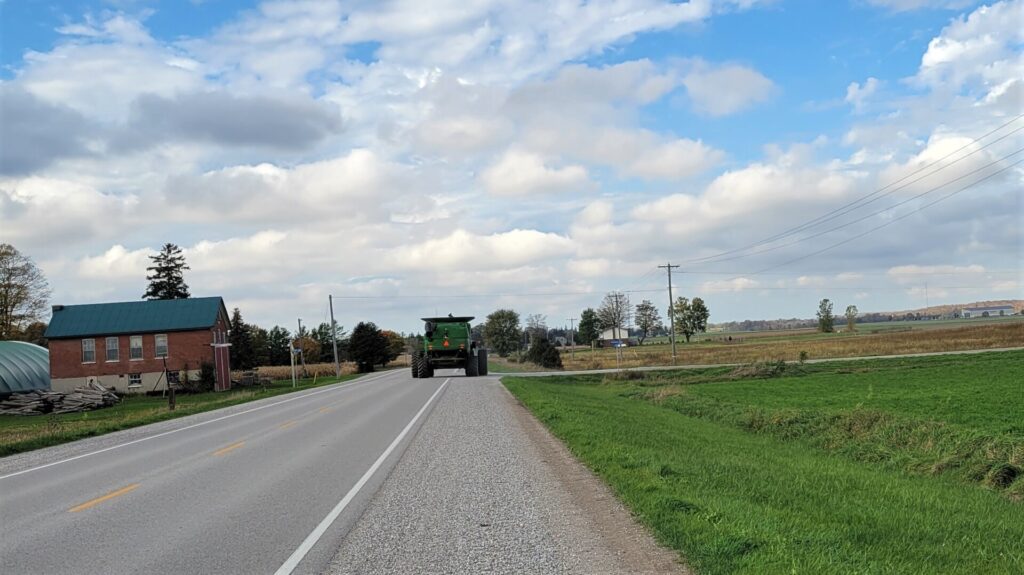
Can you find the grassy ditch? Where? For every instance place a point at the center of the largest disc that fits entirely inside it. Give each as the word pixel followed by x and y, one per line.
pixel 887 466
pixel 20 433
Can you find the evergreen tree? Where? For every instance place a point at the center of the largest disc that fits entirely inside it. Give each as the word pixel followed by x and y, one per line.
pixel 544 354
pixel 279 341
pixel 243 352
pixel 167 279
pixel 260 345
pixel 590 328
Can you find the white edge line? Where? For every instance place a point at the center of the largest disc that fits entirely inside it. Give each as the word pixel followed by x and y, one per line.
pixel 299 554
pixel 105 449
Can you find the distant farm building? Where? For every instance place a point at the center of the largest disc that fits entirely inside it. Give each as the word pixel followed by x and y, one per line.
pixel 137 346
pixel 23 367
pixel 991 311
pixel 610 336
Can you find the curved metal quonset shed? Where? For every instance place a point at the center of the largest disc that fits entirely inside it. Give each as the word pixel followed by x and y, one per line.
pixel 23 367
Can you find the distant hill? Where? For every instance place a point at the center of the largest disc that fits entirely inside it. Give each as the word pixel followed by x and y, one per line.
pixel 1018 305
pixel 796 323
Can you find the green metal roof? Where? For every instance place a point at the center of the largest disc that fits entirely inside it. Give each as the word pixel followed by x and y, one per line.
pixel 23 367
pixel 133 317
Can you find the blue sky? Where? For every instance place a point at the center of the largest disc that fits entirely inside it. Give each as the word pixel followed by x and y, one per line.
pixel 403 151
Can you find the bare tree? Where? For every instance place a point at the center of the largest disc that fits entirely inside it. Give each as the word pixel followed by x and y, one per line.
pixel 614 312
pixel 536 326
pixel 24 292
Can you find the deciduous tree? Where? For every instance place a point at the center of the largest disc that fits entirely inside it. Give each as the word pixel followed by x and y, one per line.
pixel 24 292
pixel 826 321
pixel 647 319
pixel 691 317
pixel 501 331
pixel 851 317
pixel 681 310
pixel 536 326
pixel 614 312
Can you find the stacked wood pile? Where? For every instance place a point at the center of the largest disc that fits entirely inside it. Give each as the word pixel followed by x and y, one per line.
pixel 84 398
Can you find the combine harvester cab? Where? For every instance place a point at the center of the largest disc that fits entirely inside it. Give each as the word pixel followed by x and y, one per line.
pixel 448 343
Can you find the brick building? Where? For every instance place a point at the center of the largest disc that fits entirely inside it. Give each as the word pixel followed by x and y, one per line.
pixel 127 345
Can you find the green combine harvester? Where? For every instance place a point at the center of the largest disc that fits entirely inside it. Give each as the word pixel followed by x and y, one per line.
pixel 448 343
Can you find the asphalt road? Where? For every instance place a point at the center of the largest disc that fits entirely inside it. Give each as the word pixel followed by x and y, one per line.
pixel 268 488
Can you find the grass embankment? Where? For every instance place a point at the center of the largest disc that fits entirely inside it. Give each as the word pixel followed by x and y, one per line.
pixel 954 337
pixel 20 433
pixel 885 466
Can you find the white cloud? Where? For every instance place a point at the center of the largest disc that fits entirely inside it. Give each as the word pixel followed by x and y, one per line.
pixel 519 173
pixel 117 263
pixel 726 89
pixel 980 47
pixel 463 250
pixel 732 285
pixel 857 95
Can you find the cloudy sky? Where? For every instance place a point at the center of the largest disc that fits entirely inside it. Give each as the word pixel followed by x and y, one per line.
pixel 458 156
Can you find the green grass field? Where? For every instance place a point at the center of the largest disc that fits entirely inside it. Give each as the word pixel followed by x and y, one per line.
pixel 881 466
pixel 20 433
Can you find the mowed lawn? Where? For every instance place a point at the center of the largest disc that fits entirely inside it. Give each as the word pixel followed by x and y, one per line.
pixel 888 466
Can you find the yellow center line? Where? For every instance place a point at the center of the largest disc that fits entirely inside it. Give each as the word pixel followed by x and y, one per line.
pixel 229 448
pixel 325 409
pixel 99 500
pixel 287 424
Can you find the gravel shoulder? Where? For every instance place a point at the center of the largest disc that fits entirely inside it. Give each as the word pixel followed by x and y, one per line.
pixel 484 488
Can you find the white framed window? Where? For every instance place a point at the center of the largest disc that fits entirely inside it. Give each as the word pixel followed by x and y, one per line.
pixel 161 344
pixel 135 347
pixel 134 380
pixel 88 350
pixel 113 349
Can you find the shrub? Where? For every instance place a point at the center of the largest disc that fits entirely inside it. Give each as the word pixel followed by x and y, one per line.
pixel 544 354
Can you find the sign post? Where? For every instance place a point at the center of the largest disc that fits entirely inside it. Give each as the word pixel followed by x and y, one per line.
pixel 291 355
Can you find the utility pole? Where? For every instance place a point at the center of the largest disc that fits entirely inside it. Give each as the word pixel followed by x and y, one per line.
pixel 572 338
pixel 334 337
pixel 671 311
pixel 302 354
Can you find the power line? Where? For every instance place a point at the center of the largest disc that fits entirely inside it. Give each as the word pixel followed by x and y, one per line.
pixel 892 221
pixel 846 208
pixel 872 214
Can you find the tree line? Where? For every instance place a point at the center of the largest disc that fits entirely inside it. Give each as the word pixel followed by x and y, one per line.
pixel 504 332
